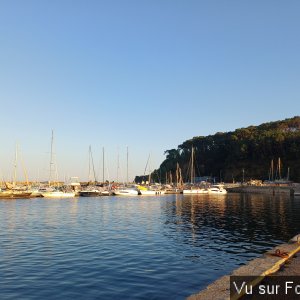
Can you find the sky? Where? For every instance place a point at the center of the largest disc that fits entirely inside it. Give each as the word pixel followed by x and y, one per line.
pixel 138 74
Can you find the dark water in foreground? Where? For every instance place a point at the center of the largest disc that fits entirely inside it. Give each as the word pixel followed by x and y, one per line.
pixel 134 248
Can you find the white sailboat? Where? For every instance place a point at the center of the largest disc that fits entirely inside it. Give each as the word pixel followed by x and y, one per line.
pixel 127 189
pixel 58 194
pixel 55 192
pixel 194 189
pixel 148 190
pixel 90 190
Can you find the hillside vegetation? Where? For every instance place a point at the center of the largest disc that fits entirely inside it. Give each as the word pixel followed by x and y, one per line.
pixel 225 155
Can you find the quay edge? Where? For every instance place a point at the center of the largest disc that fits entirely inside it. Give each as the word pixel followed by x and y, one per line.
pixel 260 267
pixel 271 190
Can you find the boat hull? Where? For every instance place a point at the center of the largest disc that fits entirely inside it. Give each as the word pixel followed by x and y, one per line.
pixel 89 194
pixel 195 191
pixel 125 192
pixel 58 195
pixel 151 193
pixel 14 195
pixel 217 192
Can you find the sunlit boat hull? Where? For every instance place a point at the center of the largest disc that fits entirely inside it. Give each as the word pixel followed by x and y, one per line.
pixel 217 191
pixel 151 192
pixel 58 195
pixel 14 195
pixel 127 192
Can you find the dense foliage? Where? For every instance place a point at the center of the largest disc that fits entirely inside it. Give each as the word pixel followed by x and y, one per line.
pixel 245 152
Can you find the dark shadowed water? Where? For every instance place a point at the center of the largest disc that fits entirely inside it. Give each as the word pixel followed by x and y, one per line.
pixel 134 248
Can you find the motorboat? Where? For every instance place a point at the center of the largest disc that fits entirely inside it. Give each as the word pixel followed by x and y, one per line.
pixel 217 189
pixel 90 193
pixel 126 192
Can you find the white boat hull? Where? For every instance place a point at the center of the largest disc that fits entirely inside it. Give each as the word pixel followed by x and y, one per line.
pixel 128 192
pixel 224 192
pixel 218 190
pixel 195 191
pixel 151 193
pixel 58 195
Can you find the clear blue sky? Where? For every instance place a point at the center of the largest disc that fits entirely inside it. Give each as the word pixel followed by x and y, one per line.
pixel 143 74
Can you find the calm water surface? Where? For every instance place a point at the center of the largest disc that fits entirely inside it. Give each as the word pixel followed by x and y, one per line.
pixel 134 248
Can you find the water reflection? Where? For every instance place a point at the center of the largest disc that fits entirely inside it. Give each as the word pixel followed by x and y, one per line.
pixel 142 247
pixel 252 222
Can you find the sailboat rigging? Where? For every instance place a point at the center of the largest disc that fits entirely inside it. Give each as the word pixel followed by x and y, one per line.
pixel 55 192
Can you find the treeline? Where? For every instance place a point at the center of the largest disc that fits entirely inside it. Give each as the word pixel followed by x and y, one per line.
pixel 245 154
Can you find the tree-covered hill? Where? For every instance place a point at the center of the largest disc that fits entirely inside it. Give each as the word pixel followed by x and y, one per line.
pixel 228 155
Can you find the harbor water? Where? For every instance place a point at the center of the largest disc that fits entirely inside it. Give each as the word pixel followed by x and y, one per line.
pixel 137 247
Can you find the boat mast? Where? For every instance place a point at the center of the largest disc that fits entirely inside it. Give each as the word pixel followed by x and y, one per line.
pixel 192 165
pixel 95 179
pixel 146 164
pixel 272 170
pixel 149 175
pixel 118 165
pixel 24 170
pixel 180 177
pixel 177 174
pixel 51 160
pixel 103 164
pixel 90 177
pixel 15 166
pixel 127 164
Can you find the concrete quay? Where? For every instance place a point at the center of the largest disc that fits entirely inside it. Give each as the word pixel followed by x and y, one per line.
pixel 268 189
pixel 268 264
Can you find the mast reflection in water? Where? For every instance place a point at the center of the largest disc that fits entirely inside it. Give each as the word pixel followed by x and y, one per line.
pixel 142 247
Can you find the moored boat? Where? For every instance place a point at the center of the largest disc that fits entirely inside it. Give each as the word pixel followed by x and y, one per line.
pixel 58 194
pixel 126 192
pixel 217 189
pixel 150 191
pixel 173 191
pixel 195 191
pixel 90 193
pixel 10 194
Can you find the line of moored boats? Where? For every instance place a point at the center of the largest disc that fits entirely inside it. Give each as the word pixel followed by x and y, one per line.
pixel 16 192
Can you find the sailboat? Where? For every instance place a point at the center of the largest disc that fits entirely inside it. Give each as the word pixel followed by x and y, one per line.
pixel 90 191
pixel 149 190
pixel 126 190
pixel 52 192
pixel 13 191
pixel 194 189
pixel 177 189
